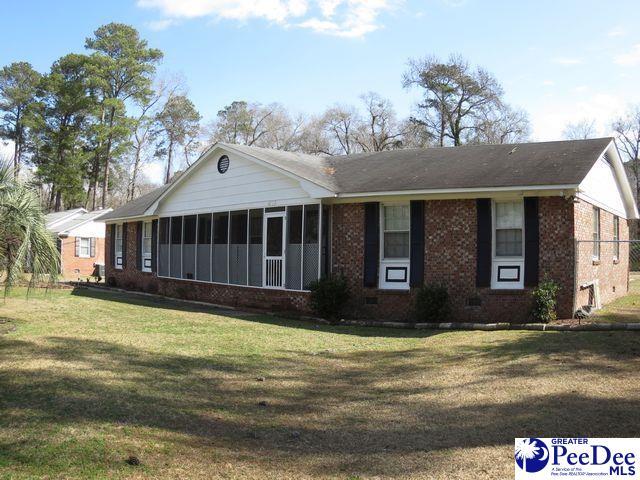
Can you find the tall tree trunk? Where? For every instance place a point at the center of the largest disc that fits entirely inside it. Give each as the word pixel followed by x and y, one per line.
pixel 105 180
pixel 58 201
pixel 134 175
pixel 167 176
pixel 16 159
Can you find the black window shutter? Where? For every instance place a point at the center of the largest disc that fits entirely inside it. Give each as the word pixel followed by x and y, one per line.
pixel 112 245
pixel 124 245
pixel 417 243
pixel 531 241
pixel 154 245
pixel 77 247
pixel 139 245
pixel 371 243
pixel 483 254
pixel 92 247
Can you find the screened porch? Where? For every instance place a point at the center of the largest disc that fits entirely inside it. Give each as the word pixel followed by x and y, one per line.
pixel 276 247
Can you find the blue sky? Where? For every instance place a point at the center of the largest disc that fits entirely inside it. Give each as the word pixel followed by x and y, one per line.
pixel 560 60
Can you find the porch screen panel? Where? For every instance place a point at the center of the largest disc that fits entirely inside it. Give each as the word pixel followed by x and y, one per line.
pixel 163 250
pixel 203 250
pixel 255 248
pixel 310 260
pixel 189 248
pixel 294 248
pixel 324 244
pixel 238 248
pixel 176 248
pixel 219 261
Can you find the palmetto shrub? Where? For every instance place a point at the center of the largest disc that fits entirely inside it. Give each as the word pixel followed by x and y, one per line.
pixel 25 242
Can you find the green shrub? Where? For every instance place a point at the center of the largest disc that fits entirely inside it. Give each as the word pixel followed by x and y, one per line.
pixel 432 304
pixel 545 301
pixel 329 296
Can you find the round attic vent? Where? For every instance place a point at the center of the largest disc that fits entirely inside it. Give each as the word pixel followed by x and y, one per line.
pixel 223 164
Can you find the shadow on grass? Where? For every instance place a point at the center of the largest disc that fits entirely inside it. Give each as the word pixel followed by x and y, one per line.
pixel 260 317
pixel 342 406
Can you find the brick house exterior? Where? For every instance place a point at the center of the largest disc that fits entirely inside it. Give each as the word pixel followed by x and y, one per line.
pixel 561 230
pixel 80 239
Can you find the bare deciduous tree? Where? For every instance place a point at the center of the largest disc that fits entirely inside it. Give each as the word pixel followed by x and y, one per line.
pixel 583 129
pixel 627 130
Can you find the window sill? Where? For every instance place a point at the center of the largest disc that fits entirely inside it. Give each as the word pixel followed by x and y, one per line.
pixel 390 291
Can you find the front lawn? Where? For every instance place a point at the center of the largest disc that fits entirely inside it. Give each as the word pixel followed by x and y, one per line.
pixel 89 378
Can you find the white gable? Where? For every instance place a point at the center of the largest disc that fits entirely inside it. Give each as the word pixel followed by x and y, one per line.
pixel 602 188
pixel 89 229
pixel 246 184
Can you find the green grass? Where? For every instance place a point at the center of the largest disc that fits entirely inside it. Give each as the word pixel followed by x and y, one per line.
pixel 89 378
pixel 625 309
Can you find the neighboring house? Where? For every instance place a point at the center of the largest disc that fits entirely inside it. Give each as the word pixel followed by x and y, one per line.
pixel 80 238
pixel 254 227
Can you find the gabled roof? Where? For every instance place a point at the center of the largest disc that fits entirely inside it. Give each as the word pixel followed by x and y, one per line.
pixel 62 224
pixel 54 218
pixel 136 207
pixel 558 164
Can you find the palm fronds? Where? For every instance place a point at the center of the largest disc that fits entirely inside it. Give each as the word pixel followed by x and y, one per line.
pixel 25 243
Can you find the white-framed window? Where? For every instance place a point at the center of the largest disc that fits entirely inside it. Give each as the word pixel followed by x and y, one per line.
pixel 596 233
pixel 616 237
pixel 508 244
pixel 118 247
pixel 146 247
pixel 84 247
pixel 395 245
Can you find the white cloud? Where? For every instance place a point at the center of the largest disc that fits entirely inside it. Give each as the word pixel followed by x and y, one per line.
pixel 567 60
pixel 548 83
pixel 343 18
pixel 162 24
pixel 154 172
pixel 629 59
pixel 550 117
pixel 617 32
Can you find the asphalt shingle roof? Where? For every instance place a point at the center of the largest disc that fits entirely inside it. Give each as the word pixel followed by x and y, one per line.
pixel 466 167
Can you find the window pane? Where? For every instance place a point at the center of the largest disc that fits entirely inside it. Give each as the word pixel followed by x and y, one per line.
pixel 396 217
pixel 509 243
pixel 509 215
pixel 255 227
pixel 274 237
pixel 311 217
pixel 396 245
pixel 146 246
pixel 239 227
pixel 190 229
pixel 176 230
pixel 204 229
pixel 164 231
pixel 294 222
pixel 220 227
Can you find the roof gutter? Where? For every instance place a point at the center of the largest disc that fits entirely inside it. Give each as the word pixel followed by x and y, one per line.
pixel 438 191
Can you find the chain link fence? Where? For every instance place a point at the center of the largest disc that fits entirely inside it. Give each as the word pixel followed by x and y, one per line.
pixel 603 269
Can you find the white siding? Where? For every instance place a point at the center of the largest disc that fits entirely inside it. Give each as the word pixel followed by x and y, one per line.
pixel 246 184
pixel 90 229
pixel 601 188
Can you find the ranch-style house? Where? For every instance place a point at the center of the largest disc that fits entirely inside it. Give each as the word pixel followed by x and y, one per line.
pixel 253 227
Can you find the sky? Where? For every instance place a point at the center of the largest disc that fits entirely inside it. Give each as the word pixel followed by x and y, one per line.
pixel 562 61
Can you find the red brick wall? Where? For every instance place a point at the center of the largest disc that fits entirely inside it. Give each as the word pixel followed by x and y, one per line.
pixel 613 276
pixel 235 296
pixel 71 263
pixel 450 260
